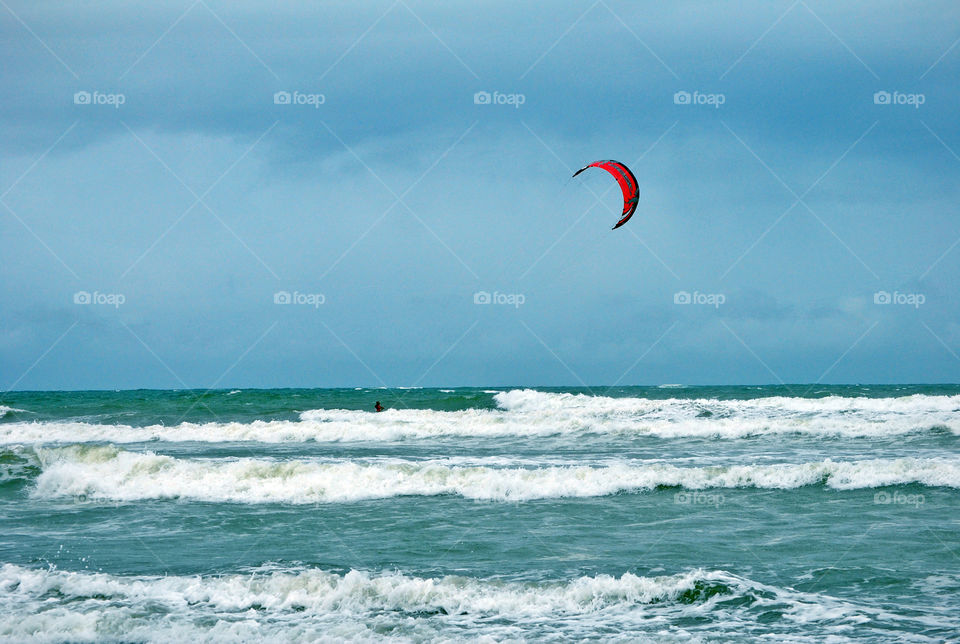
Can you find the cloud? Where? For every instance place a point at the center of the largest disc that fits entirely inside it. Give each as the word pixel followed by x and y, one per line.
pixel 303 196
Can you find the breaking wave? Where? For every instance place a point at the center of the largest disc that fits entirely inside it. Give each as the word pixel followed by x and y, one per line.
pixel 109 473
pixel 309 604
pixel 528 413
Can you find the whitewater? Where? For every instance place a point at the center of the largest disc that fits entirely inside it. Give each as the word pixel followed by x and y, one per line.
pixel 794 513
pixel 532 413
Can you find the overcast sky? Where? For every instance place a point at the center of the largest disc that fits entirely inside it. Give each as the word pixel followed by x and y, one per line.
pixel 159 200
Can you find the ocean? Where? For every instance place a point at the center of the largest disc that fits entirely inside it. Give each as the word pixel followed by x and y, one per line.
pixel 790 513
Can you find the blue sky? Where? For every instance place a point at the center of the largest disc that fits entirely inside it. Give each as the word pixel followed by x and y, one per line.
pixel 148 231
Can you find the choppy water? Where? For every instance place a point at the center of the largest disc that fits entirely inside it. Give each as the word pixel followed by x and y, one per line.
pixel 720 513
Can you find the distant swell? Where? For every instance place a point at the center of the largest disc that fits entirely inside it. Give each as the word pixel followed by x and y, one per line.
pixel 108 473
pixel 528 413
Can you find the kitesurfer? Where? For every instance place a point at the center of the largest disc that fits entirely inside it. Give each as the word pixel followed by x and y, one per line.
pixel 378 406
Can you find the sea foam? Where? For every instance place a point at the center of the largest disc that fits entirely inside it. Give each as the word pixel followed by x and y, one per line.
pixel 311 604
pixel 112 474
pixel 528 413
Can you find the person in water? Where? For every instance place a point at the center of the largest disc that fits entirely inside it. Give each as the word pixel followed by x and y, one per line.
pixel 378 406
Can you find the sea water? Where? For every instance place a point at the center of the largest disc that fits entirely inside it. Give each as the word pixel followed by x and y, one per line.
pixel 791 513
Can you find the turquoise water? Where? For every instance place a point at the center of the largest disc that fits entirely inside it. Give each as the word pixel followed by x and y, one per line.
pixel 797 513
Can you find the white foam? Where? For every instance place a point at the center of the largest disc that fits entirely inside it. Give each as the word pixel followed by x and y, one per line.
pixel 679 417
pixel 320 591
pixel 306 605
pixel 108 473
pixel 4 410
pixel 532 400
pixel 528 413
pixel 311 604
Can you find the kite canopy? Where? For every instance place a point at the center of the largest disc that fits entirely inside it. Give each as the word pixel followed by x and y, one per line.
pixel 628 184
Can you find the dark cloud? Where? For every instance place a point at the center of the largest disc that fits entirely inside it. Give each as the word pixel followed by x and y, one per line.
pixel 304 200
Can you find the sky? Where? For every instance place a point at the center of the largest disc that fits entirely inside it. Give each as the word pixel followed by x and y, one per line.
pixel 235 194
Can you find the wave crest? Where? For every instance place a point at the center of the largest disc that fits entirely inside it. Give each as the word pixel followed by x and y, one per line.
pixel 107 473
pixel 312 604
pixel 529 413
